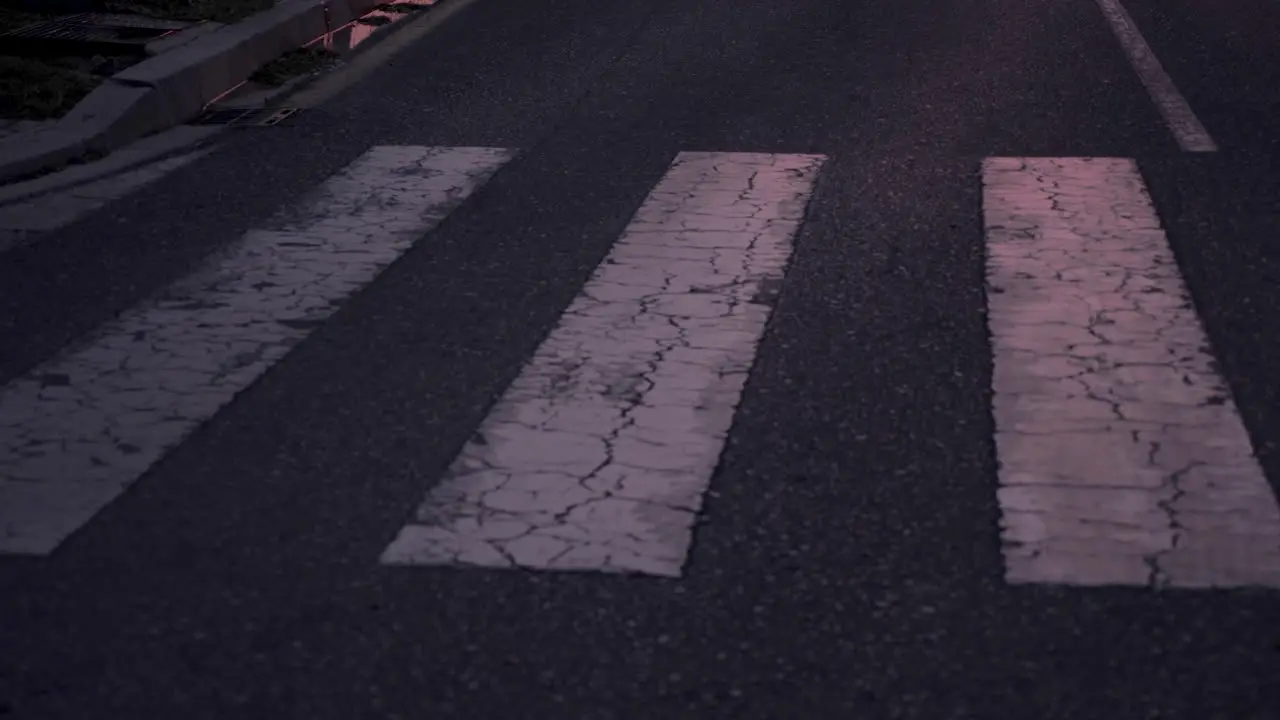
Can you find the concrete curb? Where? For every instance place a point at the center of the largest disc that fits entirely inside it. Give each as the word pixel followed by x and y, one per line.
pixel 174 86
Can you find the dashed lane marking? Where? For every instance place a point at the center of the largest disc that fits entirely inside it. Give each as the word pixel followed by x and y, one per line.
pixel 1177 113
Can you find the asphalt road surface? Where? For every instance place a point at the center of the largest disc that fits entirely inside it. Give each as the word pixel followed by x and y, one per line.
pixel 662 359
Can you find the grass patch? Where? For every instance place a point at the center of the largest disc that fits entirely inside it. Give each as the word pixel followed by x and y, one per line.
pixel 40 90
pixel 223 11
pixel 293 64
pixel 12 17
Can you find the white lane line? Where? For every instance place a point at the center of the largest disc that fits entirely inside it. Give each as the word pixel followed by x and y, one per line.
pixel 597 456
pixel 1182 122
pixel 78 430
pixel 1123 460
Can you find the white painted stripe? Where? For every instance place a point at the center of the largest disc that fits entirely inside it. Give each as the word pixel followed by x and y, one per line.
pixel 598 455
pixel 371 56
pixel 1123 460
pixel 1182 122
pixel 77 431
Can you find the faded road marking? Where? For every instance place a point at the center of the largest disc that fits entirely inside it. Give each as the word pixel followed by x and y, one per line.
pixel 25 221
pixel 1122 458
pixel 598 455
pixel 1182 122
pixel 77 431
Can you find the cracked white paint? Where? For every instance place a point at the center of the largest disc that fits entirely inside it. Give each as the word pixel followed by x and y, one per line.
pixel 597 456
pixel 78 430
pixel 1123 460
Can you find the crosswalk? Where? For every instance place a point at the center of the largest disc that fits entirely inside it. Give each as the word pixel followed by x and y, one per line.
pixel 598 455
pixel 1122 457
pixel 80 429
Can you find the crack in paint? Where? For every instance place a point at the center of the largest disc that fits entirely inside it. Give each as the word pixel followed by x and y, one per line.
pixel 145 381
pixel 1159 578
pixel 1107 400
pixel 600 450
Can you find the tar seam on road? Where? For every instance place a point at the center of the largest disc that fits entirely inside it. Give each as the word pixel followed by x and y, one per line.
pixel 598 455
pixel 1182 121
pixel 1122 458
pixel 81 428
